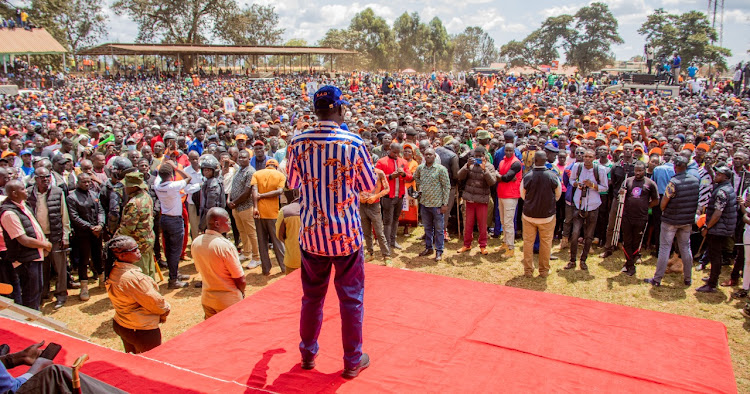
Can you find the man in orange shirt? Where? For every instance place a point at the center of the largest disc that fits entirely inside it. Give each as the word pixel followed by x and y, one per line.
pixel 269 184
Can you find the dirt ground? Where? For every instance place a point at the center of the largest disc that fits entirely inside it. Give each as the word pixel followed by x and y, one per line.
pixel 602 282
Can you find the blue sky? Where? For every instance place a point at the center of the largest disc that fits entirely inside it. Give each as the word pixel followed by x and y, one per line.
pixel 504 21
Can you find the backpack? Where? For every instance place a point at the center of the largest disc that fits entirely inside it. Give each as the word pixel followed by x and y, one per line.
pixel 596 172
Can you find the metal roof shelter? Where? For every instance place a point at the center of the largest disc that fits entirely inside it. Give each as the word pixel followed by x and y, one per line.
pixel 206 50
pixel 37 41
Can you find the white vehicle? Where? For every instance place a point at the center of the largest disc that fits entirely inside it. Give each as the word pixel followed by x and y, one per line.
pixel 662 90
pixel 28 92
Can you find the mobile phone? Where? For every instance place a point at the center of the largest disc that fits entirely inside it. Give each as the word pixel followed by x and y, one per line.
pixel 50 352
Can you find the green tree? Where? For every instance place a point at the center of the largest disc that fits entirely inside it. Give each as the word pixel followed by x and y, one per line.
pixel 412 40
pixel 74 23
pixel 254 25
pixel 588 45
pixel 374 38
pixel 473 48
pixel 690 34
pixel 343 39
pixel 440 48
pixel 539 47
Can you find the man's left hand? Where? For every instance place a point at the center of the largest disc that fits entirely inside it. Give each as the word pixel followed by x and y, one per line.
pixel 444 209
pixel 29 355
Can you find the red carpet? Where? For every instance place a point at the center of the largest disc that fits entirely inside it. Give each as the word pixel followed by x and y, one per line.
pixel 428 333
pixel 128 372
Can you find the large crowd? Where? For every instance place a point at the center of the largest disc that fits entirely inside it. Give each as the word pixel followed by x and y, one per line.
pixel 108 181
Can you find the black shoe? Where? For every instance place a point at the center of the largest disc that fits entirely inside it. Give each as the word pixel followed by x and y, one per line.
pixel 163 264
pixel 183 277
pixel 74 285
pixel 630 271
pixel 364 362
pixel 706 289
pixel 308 364
pixel 571 265
pixel 746 310
pixel 688 282
pixel 584 266
pixel 741 293
pixel 60 302
pixel 426 252
pixel 198 284
pixel 396 246
pixel 652 282
pixel 439 256
pixel 176 284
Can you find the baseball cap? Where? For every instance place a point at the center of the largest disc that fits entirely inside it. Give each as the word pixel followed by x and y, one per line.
pixel 272 162
pixel 328 97
pixel 26 152
pixel 723 170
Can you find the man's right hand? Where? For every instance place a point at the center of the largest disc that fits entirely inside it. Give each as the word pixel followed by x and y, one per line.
pixel 47 246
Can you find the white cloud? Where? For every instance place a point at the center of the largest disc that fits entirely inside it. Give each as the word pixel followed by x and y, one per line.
pixel 504 21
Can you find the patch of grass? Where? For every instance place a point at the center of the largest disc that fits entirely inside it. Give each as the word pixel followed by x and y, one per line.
pixel 603 282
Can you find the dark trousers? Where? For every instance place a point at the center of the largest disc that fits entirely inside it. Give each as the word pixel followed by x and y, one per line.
pixel 56 259
pixel 266 230
pixel 601 220
pixel 350 288
pixel 434 228
pixel 30 278
pixel 137 341
pixel 89 254
pixel 656 218
pixel 173 228
pixel 235 230
pixel 560 216
pixel 392 208
pixel 8 275
pixel 632 234
pixel 568 220
pixel 715 246
pixel 497 227
pixel 157 235
pixel 59 379
pixel 584 222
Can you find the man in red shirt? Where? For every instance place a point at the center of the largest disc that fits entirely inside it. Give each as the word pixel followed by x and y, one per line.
pixel 397 172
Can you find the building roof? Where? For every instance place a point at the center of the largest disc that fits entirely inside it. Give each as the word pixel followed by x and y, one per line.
pixel 194 49
pixel 33 42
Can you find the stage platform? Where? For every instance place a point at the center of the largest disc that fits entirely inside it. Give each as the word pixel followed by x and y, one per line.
pixel 428 333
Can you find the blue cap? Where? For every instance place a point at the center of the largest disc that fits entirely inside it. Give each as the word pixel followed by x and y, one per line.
pixel 328 97
pixel 25 152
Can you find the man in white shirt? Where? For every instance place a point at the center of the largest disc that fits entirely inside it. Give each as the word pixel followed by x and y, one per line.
pixel 586 200
pixel 196 180
pixel 170 191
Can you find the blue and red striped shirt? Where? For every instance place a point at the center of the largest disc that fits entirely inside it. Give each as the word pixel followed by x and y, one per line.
pixel 331 167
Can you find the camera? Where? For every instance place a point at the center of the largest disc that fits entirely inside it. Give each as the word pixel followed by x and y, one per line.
pixel 413 193
pixel 478 161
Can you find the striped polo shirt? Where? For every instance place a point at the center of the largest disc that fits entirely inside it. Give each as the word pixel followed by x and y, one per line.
pixel 331 167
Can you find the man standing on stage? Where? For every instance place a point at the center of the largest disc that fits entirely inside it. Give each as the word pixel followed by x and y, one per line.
pixel 331 167
pixel 638 194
